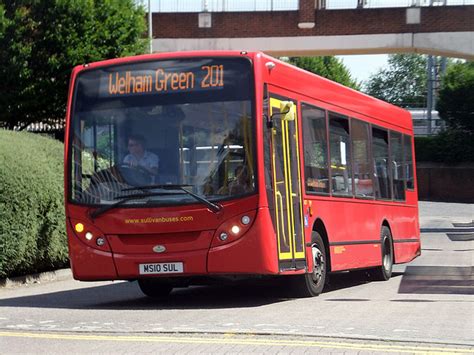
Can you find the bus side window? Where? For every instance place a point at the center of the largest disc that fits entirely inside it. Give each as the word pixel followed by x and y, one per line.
pixel 315 149
pixel 340 153
pixel 362 163
pixel 396 158
pixel 408 162
pixel 381 165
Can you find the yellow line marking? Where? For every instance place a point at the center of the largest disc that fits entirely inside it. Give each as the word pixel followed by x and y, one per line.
pixel 247 341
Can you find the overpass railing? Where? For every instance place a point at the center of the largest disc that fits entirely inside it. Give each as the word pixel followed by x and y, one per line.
pixel 372 4
pixel 224 5
pixel 173 6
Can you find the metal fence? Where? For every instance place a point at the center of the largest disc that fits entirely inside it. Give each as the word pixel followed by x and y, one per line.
pixel 372 4
pixel 51 126
pixel 173 6
pixel 223 5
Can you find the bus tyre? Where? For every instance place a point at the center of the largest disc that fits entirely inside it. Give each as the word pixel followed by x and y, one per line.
pixel 312 284
pixel 384 272
pixel 155 288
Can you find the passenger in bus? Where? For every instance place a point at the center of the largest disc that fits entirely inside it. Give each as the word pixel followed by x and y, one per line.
pixel 208 187
pixel 139 157
pixel 241 183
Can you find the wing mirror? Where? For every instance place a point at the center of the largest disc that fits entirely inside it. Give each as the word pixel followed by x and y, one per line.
pixel 287 110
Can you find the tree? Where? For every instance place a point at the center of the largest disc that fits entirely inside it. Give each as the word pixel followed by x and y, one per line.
pixel 328 67
pixel 456 98
pixel 43 40
pixel 456 108
pixel 403 83
pixel 3 20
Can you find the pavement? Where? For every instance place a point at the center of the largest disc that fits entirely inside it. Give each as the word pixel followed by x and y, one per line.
pixel 441 215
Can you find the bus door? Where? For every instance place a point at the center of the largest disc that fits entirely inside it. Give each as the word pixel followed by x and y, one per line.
pixel 286 187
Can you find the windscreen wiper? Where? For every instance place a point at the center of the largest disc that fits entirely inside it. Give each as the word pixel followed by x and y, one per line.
pixel 212 206
pixel 159 186
pixel 122 199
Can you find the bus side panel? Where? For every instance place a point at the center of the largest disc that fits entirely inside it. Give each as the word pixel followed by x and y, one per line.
pixel 254 253
pixel 355 256
pixel 354 226
pixel 406 252
pixel 405 234
pixel 352 235
pixel 89 264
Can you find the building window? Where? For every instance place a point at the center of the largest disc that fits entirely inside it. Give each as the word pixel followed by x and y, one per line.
pixel 381 166
pixel 363 182
pixel 340 153
pixel 396 157
pixel 315 149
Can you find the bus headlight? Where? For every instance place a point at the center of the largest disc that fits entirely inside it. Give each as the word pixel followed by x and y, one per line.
pixel 88 234
pixel 234 228
pixel 79 227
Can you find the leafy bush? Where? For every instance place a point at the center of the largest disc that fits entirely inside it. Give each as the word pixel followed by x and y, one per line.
pixel 32 220
pixel 448 147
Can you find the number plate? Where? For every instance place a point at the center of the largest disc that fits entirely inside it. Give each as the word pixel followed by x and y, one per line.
pixel 161 268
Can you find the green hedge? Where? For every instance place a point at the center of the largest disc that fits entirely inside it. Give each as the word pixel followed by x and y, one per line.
pixel 448 147
pixel 32 220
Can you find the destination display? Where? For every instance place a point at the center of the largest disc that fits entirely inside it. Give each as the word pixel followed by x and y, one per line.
pixel 165 80
pixel 171 81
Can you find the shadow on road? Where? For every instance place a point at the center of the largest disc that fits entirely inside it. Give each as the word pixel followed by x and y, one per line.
pixel 127 296
pixel 351 279
pixel 448 280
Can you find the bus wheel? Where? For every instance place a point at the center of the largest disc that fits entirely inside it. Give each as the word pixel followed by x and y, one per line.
pixel 155 288
pixel 312 284
pixel 384 272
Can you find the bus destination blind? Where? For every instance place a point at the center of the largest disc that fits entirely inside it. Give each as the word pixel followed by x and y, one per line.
pixel 163 80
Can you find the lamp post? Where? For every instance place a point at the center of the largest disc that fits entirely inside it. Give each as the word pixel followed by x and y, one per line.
pixel 150 27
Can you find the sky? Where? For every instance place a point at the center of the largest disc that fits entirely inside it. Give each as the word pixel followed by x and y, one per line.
pixel 363 66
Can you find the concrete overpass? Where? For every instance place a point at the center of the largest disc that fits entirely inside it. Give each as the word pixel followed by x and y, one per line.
pixel 436 30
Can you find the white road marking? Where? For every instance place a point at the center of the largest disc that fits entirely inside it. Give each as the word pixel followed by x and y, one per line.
pixel 405 330
pixel 19 326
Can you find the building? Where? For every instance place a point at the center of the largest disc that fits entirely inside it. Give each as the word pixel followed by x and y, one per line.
pixel 421 122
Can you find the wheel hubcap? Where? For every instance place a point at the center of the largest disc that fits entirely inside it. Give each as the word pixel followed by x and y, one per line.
pixel 318 259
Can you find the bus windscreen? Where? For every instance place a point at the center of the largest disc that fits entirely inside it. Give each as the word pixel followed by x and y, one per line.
pixel 184 122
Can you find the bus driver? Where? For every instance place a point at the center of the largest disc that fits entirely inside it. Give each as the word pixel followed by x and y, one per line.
pixel 139 157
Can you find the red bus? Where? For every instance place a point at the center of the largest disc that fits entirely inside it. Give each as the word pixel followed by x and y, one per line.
pixel 184 166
